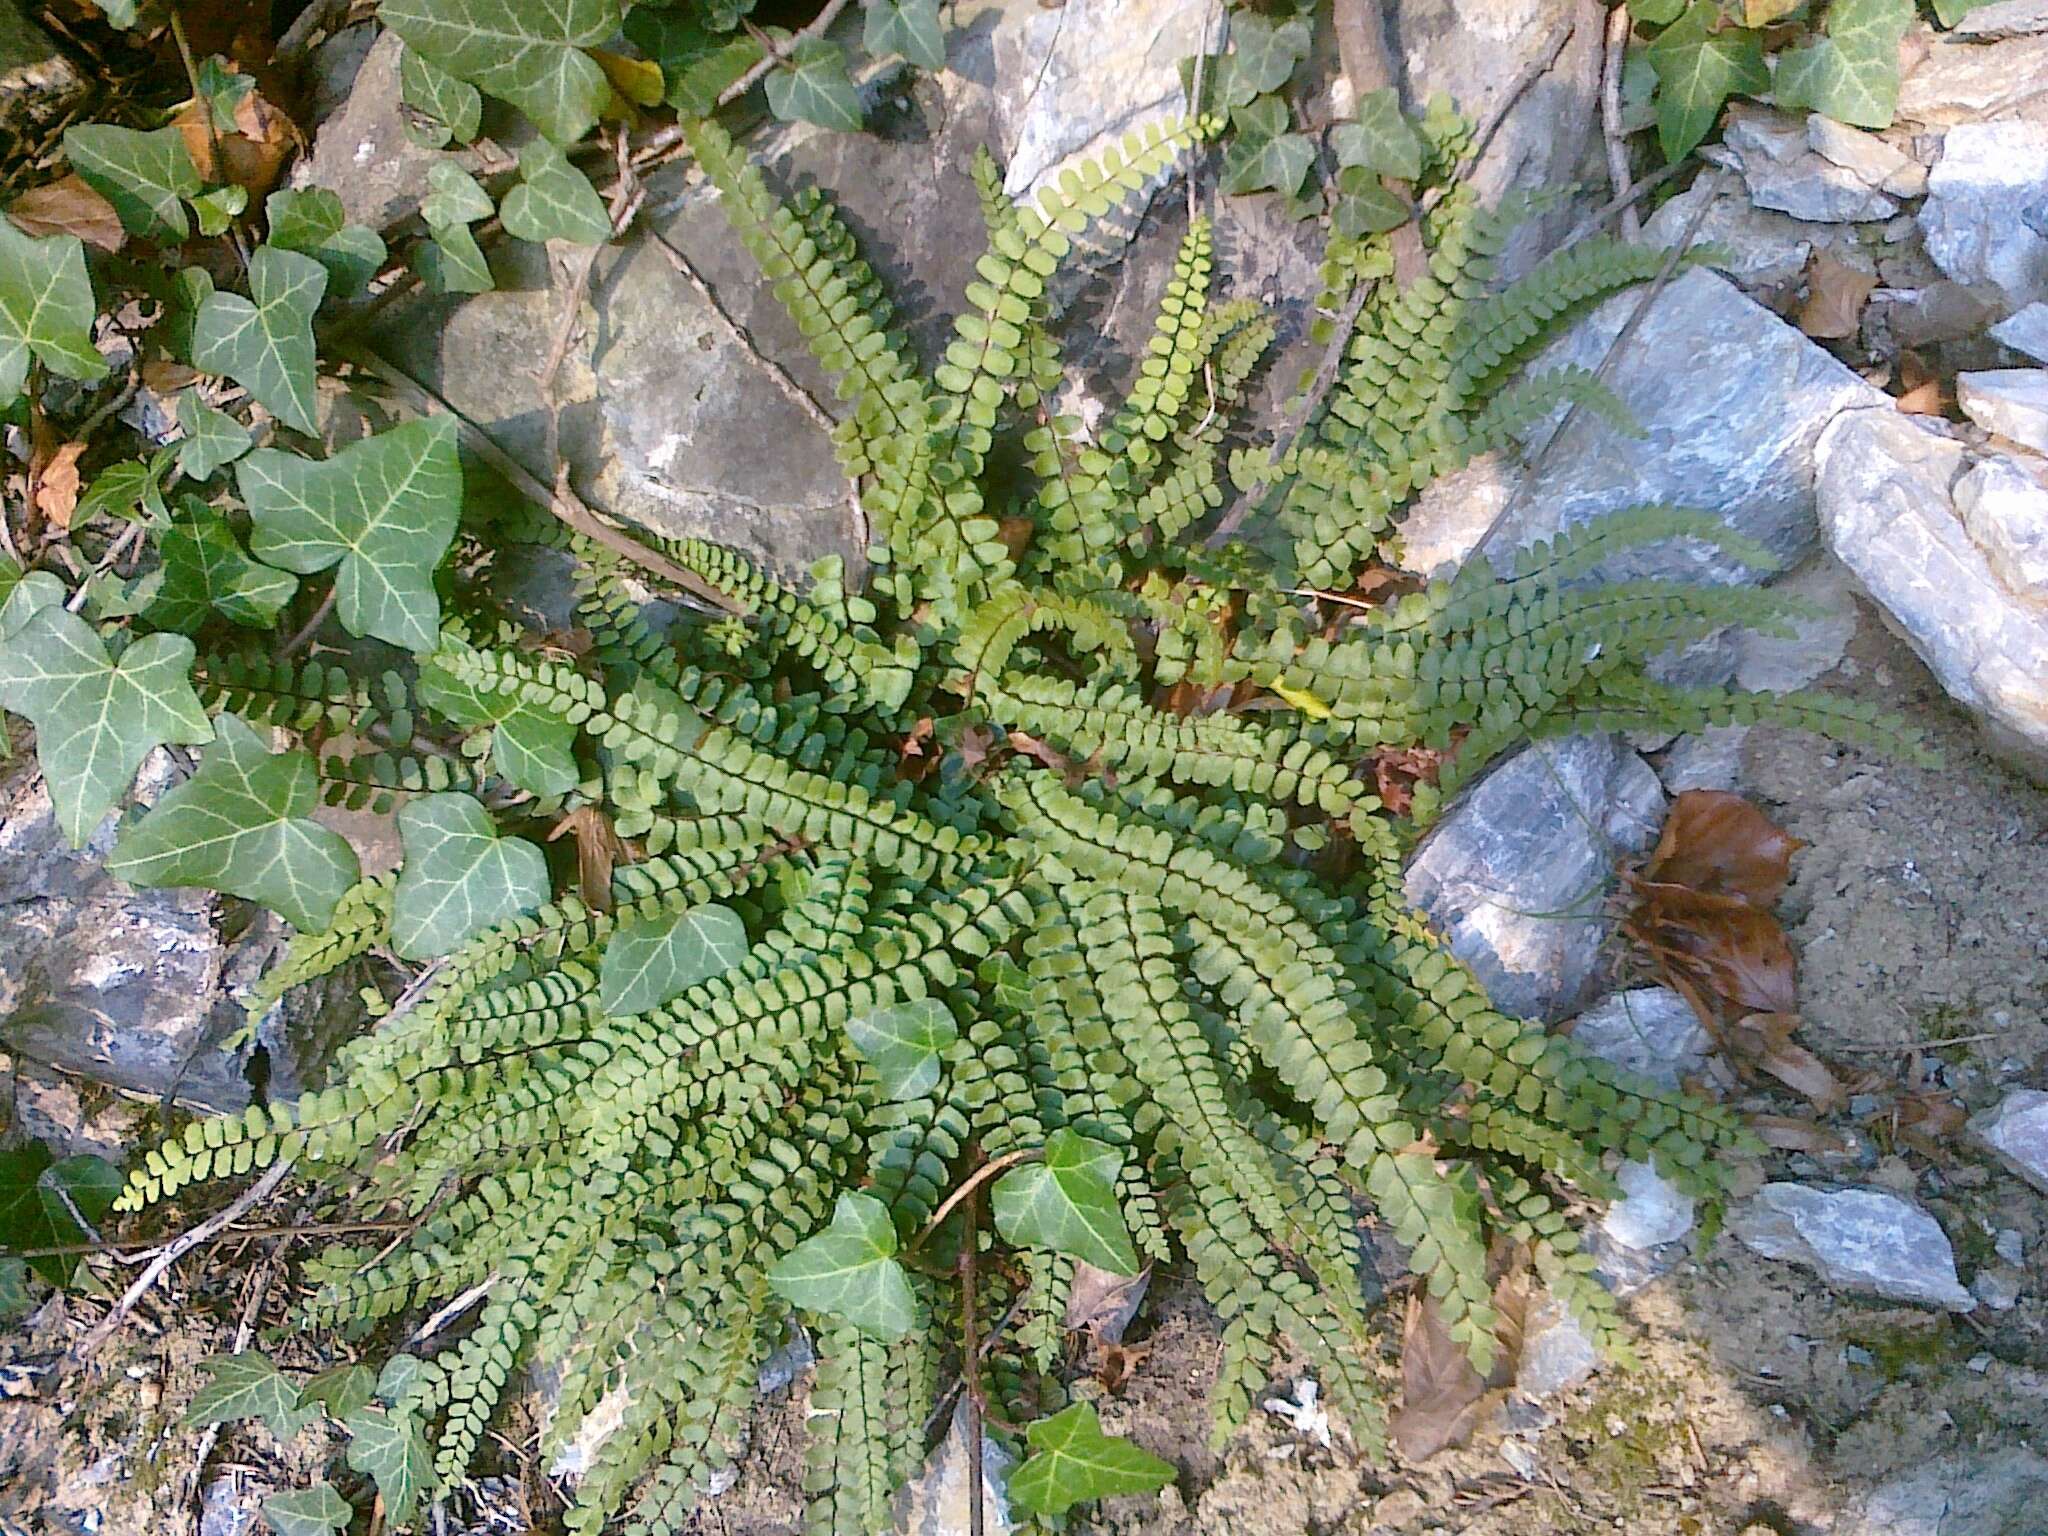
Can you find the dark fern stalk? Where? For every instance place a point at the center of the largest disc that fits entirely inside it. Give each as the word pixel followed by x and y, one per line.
pixel 1178 940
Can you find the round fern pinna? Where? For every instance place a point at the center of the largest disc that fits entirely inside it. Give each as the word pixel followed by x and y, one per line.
pixel 947 945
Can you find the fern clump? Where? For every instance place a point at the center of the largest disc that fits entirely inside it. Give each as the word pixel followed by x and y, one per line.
pixel 932 878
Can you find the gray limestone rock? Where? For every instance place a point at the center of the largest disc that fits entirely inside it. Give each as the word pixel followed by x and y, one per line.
pixel 1710 760
pixel 1885 491
pixel 1650 1031
pixel 1871 160
pixel 937 1501
pixel 1992 1493
pixel 2004 507
pixel 362 152
pixel 37 78
pixel 1651 1212
pixel 1556 1353
pixel 2016 1133
pixel 2025 331
pixel 1866 1240
pixel 1965 80
pixel 2012 402
pixel 1785 174
pixel 1516 872
pixel 1767 250
pixel 1986 199
pixel 2007 18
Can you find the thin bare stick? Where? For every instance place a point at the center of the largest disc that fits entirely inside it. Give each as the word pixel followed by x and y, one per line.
pixel 305 630
pixel 1590 225
pixel 970 1365
pixel 128 538
pixel 973 1182
pixel 173 1251
pixel 1920 1045
pixel 1618 25
pixel 293 1229
pixel 561 501
pixel 453 1309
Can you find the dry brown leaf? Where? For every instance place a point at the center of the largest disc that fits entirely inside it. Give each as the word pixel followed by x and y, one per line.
pixel 1717 947
pixel 1788 1134
pixel 1928 1122
pixel 976 742
pixel 1102 1304
pixel 1016 534
pixel 57 486
pixel 1442 1395
pixel 1835 295
pixel 1920 387
pixel 1764 1041
pixel 166 376
pixel 1038 751
pixel 68 207
pixel 599 849
pixel 1397 770
pixel 1718 843
pixel 251 157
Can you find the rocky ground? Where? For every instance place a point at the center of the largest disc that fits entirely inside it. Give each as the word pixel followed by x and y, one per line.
pixel 1859 1344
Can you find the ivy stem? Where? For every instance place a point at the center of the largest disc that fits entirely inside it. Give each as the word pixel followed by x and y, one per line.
pixel 970 1352
pixel 305 630
pixel 973 1182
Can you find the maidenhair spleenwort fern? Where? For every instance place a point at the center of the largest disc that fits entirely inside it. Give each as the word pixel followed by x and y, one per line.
pixel 934 876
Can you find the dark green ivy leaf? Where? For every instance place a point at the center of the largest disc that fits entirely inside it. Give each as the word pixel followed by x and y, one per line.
pixel 222 87
pixel 698 63
pixel 38 1199
pixel 14 1295
pixel 530 55
pixel 95 718
pixel 213 439
pixel 207 573
pixel 813 87
pixel 383 510
pixel 1852 74
pixel 46 310
pixel 1072 1460
pixel 1364 206
pixel 1700 63
pixel 1265 51
pixel 144 175
pixel 391 1449
pixel 340 1389
pixel 1263 155
pixel 265 342
pixel 218 207
pixel 452 262
pixel 554 200
pixel 652 959
pixel 849 1271
pixel 1067 1202
pixel 906 27
pixel 248 1386
pixel 313 223
pixel 243 824
pixel 314 1511
pixel 459 876
pixel 447 108
pixel 1656 13
pixel 1382 139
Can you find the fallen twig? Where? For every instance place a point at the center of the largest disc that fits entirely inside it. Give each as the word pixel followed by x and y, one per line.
pixel 1618 24
pixel 1589 226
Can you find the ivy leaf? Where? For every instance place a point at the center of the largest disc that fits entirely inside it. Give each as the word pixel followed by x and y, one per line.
pixel 459 876
pixel 314 1511
pixel 1382 139
pixel 313 223
pixel 554 200
pixel 1067 1202
pixel 219 208
pixel 248 1386
pixel 206 572
pixel 1699 65
pixel 1263 155
pixel 849 1271
pixel 529 745
pixel 458 198
pixel 1364 206
pixel 120 14
pixel 212 438
pixel 391 1449
pixel 340 1389
pixel 46 310
pixel 453 109
pixel 1852 74
pixel 651 960
pixel 699 66
pixel 222 88
pixel 384 509
pixel 265 343
pixel 144 175
pixel 530 55
pixel 27 596
pixel 813 87
pixel 1265 52
pixel 452 262
pixel 1656 13
pixel 396 1378
pixel 242 824
pixel 1072 1460
pixel 14 1295
pixel 906 27
pixel 38 1198
pixel 903 1044
pixel 96 719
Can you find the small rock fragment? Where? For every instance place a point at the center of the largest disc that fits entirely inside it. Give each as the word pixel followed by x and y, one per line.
pixel 2005 509
pixel 1997 1493
pixel 787 1363
pixel 1857 1239
pixel 2025 331
pixel 2016 1133
pixel 1556 1354
pixel 1962 80
pixel 1990 183
pixel 1998 1287
pixel 2009 1245
pixel 2013 402
pixel 1650 1031
pixel 936 1502
pixel 1653 1211
pixel 1782 173
pixel 1866 156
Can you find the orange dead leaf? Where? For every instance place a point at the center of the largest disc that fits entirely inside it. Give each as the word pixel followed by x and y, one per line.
pixel 1928 1122
pixel 1920 387
pixel 913 759
pixel 599 849
pixel 1030 746
pixel 1792 1135
pixel 68 207
pixel 1764 1040
pixel 57 486
pixel 1441 1393
pixel 1835 295
pixel 1717 842
pixel 1397 770
pixel 251 157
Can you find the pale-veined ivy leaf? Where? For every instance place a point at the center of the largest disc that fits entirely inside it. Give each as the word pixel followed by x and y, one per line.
pixel 906 27
pixel 903 1044
pixel 248 1386
pixel 1364 206
pixel 459 876
pixel 849 1271
pixel 1656 13
pixel 265 342
pixel 397 1378
pixel 132 489
pixel 1382 139
pixel 15 1300
pixel 312 222
pixel 1852 74
pixel 218 207
pixel 207 572
pixel 144 175
pixel 242 824
pixel 46 310
pixel 222 87
pixel 1072 1460
pixel 1265 52
pixel 652 959
pixel 554 200
pixel 699 64
pixel 452 262
pixel 190 289
pixel 212 438
pixel 530 55
pixel 314 1511
pixel 453 109
pixel 1263 156
pixel 1700 63
pixel 813 87
pixel 120 14
pixel 340 1389
pixel 95 718
pixel 458 198
pixel 25 596
pixel 391 1449
pixel 384 509
pixel 1067 1202
pixel 531 746
pixel 42 1202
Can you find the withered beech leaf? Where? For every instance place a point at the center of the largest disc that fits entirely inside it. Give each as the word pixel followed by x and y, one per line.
pixel 1764 1040
pixel 1786 1133
pixel 1441 1394
pixel 68 206
pixel 1719 945
pixel 1835 295
pixel 599 849
pixel 1101 1303
pixel 1718 843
